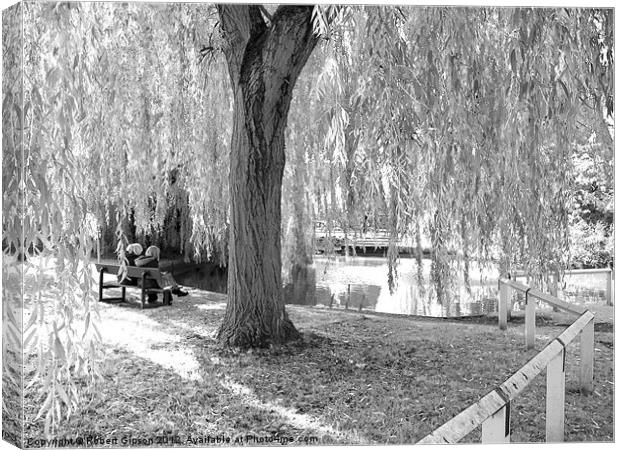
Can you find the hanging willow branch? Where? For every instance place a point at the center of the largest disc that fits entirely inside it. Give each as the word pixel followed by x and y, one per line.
pixel 464 118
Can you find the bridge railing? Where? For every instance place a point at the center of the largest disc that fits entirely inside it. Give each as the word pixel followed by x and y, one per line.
pixel 492 412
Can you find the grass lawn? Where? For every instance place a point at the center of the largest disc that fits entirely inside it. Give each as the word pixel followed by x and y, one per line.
pixel 355 379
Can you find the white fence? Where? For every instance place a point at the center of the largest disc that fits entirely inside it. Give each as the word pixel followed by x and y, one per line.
pixel 492 412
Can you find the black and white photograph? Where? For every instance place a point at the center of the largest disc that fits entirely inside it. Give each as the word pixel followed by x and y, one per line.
pixel 255 224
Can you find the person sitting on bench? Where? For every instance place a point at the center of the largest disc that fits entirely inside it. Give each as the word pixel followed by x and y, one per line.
pixel 151 259
pixel 132 252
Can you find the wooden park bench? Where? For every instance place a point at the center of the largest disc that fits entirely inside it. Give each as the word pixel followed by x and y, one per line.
pixel 137 273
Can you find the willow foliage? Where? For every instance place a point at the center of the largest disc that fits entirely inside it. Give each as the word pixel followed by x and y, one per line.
pixel 460 124
pixel 115 119
pixel 12 204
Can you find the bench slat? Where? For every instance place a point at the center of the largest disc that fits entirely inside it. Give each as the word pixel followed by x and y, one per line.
pixel 139 273
pixel 153 273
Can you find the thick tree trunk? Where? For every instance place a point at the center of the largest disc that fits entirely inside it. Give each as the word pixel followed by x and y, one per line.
pixel 264 63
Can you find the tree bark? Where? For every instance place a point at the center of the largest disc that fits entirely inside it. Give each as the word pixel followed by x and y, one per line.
pixel 264 62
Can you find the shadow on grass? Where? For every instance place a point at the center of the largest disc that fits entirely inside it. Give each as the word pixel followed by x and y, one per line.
pixel 354 379
pixel 131 303
pixel 141 403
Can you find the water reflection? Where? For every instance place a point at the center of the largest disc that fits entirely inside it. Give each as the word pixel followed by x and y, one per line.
pixel 360 283
pixel 207 276
pixel 576 288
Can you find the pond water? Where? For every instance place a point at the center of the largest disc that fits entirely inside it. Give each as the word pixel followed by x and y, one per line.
pixel 360 283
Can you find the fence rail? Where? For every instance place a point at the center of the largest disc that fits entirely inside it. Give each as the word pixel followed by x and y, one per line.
pixel 540 295
pixel 492 412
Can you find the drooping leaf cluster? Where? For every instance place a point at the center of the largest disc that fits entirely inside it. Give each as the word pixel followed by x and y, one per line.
pixel 12 204
pixel 116 124
pixel 460 125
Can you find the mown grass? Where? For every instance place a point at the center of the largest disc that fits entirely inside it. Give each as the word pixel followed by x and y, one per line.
pixel 355 379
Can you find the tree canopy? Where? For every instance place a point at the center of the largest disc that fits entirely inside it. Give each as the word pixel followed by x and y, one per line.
pixel 461 123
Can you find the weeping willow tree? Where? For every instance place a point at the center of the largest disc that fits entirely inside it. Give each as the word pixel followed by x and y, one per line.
pixel 172 136
pixel 457 124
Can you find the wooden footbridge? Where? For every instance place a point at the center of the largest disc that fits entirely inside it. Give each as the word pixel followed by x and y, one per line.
pixel 372 241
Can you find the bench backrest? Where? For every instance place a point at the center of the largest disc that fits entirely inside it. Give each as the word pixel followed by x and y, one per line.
pixel 152 273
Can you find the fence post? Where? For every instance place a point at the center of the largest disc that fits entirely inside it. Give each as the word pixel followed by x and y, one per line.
pixel 586 370
pixel 502 307
pixel 555 398
pixel 609 292
pixel 346 305
pixel 496 429
pixel 530 320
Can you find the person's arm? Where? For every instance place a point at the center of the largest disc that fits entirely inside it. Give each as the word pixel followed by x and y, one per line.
pixel 146 261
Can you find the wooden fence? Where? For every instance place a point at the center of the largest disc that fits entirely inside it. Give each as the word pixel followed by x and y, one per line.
pixel 492 412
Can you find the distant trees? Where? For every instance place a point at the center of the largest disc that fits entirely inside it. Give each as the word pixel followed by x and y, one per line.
pixel 592 217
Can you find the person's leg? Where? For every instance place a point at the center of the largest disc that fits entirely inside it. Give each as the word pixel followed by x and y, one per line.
pixel 151 296
pixel 170 281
